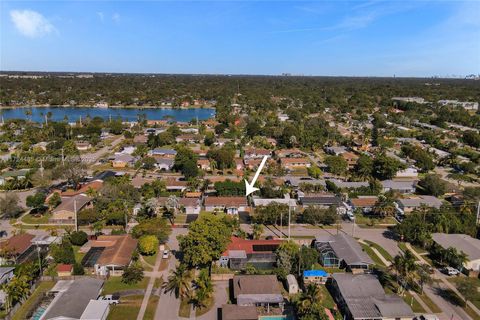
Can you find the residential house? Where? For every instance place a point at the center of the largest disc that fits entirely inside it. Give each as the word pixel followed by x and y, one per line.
pixel 12 175
pixel 409 204
pixel 254 153
pixel 257 290
pixel 176 185
pixel 259 253
pixel 80 291
pixel 322 200
pixel 190 205
pixel 265 202
pixel 122 160
pixel 289 153
pixel 164 163
pixel 364 203
pixel 407 186
pixel 204 164
pixel 297 182
pixel 349 184
pixel 168 153
pixel 351 159
pixel 234 312
pixel 83 145
pixel 239 165
pixel 190 138
pixel 140 139
pixel 315 276
pixel 109 254
pixel 96 310
pixel 408 173
pixel 463 243
pixel 361 296
pixel 229 205
pixel 336 150
pixel 6 274
pixel 85 188
pixel 17 249
pixel 294 163
pixel 342 251
pixel 66 211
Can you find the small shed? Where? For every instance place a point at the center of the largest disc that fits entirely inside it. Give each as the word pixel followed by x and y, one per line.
pixel 292 284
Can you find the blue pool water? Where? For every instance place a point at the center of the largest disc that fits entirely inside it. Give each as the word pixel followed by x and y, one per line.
pixel 273 318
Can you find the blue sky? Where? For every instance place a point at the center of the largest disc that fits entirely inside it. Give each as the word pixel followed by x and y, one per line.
pixel 356 38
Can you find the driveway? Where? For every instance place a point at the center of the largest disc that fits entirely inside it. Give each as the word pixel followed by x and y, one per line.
pixel 221 298
pixel 168 305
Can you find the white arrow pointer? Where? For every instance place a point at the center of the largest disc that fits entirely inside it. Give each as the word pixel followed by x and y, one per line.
pixel 249 187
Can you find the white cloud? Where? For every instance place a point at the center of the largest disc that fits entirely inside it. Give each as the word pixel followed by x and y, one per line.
pixel 116 17
pixel 31 23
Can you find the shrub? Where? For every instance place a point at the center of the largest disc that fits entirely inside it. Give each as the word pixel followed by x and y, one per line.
pixel 148 245
pixel 78 269
pixel 78 238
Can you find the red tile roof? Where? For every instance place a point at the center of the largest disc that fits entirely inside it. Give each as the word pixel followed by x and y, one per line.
pixel 64 268
pixel 226 201
pixel 17 244
pixel 247 245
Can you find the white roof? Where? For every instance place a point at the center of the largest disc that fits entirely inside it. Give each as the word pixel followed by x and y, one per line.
pixel 62 286
pixel 264 202
pixel 95 310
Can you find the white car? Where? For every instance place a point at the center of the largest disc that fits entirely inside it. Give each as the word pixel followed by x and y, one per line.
pixel 112 299
pixel 427 317
pixel 451 271
pixel 165 254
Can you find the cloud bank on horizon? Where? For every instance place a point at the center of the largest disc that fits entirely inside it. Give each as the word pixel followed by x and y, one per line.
pixel 363 38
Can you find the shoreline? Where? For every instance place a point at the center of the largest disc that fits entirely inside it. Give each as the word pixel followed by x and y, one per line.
pixel 109 107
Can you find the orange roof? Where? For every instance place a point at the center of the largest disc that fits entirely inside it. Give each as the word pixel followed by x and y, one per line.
pixel 193 194
pixel 18 243
pixel 349 156
pixel 64 268
pixel 225 201
pixel 120 253
pixel 248 245
pixel 293 160
pixel 94 185
pixel 364 202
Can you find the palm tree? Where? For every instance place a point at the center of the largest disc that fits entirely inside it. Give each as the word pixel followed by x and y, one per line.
pixel 203 289
pixel 172 206
pixel 309 300
pixel 404 266
pixel 424 277
pixel 178 282
pixel 384 206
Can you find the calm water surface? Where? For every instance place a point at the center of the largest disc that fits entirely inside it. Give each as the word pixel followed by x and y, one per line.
pixel 126 114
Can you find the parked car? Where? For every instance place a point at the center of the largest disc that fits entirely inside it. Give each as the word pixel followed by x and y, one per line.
pixel 165 254
pixel 112 299
pixel 451 271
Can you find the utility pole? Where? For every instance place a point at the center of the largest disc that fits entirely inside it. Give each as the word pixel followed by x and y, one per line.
pixel 63 159
pixel 289 207
pixel 281 225
pixel 75 211
pixel 478 212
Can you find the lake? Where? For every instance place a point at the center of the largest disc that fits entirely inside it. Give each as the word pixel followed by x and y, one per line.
pixel 126 114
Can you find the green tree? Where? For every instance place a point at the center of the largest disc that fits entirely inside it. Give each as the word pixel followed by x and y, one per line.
pixel 257 230
pixel 153 226
pixel 308 305
pixel 203 289
pixel 364 167
pixel 434 185
pixel 467 288
pixel 132 274
pixel 206 240
pixel 54 200
pixel 148 245
pixel 336 164
pixel 385 167
pixel 78 238
pixel 287 258
pixel 36 201
pixel 9 205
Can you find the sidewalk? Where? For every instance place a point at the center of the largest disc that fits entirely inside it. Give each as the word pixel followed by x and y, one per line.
pixel 151 282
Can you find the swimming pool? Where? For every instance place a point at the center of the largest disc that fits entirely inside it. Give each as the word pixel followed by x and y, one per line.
pixel 273 317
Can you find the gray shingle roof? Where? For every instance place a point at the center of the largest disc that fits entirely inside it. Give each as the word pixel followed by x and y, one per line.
pixel 470 246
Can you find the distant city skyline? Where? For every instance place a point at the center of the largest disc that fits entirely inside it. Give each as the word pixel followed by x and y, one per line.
pixel 320 38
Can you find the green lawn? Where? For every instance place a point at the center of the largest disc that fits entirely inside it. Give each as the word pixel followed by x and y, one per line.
pixel 327 298
pixel 27 306
pixel 457 280
pixel 413 303
pixel 150 259
pixel 368 220
pixel 181 219
pixel 380 249
pixel 114 284
pixel 430 303
pixel 376 259
pixel 127 309
pixel 78 255
pixel 32 219
pixel 151 308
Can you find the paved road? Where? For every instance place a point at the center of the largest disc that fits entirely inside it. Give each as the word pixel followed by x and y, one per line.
pixel 92 157
pixel 168 305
